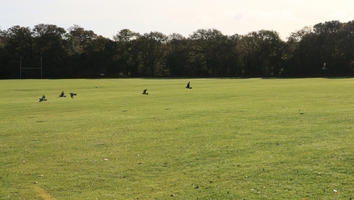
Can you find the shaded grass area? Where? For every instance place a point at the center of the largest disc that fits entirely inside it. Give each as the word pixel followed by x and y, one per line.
pixel 224 139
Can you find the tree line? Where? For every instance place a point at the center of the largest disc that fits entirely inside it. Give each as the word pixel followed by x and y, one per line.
pixel 326 49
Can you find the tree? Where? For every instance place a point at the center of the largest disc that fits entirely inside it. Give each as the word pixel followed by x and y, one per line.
pixel 213 52
pixel 206 52
pixel 18 45
pixel 50 44
pixel 3 56
pixel 126 56
pixel 151 54
pixel 79 38
pixel 99 58
pixel 261 53
pixel 125 35
pixel 330 42
pixel 177 55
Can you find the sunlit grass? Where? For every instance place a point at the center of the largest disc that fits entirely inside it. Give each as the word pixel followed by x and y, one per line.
pixel 224 139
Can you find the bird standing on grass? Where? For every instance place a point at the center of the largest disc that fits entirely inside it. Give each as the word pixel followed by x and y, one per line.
pixel 189 85
pixel 145 92
pixel 72 95
pixel 62 94
pixel 42 99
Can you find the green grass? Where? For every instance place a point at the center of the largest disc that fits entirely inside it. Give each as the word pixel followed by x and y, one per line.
pixel 224 139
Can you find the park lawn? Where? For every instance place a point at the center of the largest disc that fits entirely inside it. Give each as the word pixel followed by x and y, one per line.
pixel 223 139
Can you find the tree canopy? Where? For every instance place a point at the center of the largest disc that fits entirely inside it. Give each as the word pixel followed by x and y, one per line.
pixel 77 52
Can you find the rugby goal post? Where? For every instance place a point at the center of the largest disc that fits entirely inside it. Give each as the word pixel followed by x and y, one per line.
pixel 32 67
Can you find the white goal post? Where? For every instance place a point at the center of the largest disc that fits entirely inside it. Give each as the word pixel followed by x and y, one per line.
pixel 33 67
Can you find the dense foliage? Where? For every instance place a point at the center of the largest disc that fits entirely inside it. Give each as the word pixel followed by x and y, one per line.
pixel 77 52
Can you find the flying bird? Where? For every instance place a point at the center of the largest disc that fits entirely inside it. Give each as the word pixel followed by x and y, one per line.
pixel 42 99
pixel 72 95
pixel 189 85
pixel 62 94
pixel 145 92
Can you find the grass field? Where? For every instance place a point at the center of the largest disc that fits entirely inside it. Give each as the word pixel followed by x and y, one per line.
pixel 224 139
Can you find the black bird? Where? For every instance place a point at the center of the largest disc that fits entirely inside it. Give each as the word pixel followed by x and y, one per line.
pixel 72 95
pixel 42 99
pixel 189 85
pixel 62 94
pixel 145 92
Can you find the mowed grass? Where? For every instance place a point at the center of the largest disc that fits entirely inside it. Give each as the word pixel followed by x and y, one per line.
pixel 224 139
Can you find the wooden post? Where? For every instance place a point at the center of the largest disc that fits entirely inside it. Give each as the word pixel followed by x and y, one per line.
pixel 20 67
pixel 41 68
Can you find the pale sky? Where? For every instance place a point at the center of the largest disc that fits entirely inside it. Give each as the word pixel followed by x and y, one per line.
pixel 107 17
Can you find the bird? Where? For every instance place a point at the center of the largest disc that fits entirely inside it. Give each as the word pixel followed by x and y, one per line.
pixel 189 85
pixel 42 99
pixel 72 94
pixel 145 92
pixel 62 94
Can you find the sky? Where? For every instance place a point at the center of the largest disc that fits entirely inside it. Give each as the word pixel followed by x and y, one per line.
pixel 107 17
